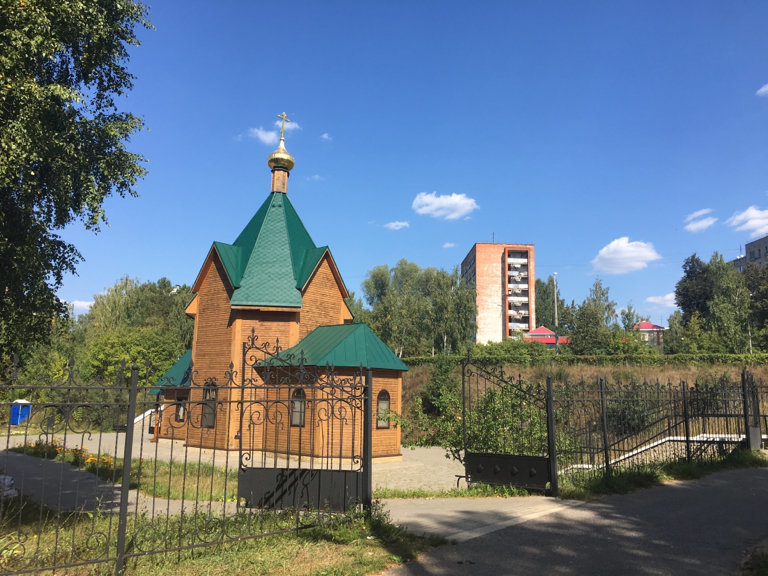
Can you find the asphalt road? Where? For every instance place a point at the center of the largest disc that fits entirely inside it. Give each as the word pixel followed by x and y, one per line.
pixel 700 527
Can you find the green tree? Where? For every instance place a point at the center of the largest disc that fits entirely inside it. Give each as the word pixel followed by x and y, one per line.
pixel 718 308
pixel 694 290
pixel 728 307
pixel 107 351
pixel 450 309
pixel 419 311
pixel 131 321
pixel 357 307
pixel 686 338
pixel 545 303
pixel 593 321
pixel 756 280
pixel 132 305
pixel 62 144
pixel 629 317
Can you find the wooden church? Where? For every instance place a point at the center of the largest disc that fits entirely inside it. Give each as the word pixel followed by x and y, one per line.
pixel 275 283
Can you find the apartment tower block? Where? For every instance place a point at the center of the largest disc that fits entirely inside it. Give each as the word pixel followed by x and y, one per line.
pixel 505 281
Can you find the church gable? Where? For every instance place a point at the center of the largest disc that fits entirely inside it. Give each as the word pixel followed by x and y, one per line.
pixel 213 334
pixel 324 298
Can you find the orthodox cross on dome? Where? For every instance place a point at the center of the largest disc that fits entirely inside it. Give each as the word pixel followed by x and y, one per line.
pixel 284 119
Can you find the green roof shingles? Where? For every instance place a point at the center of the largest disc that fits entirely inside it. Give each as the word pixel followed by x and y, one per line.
pixel 344 345
pixel 177 375
pixel 272 258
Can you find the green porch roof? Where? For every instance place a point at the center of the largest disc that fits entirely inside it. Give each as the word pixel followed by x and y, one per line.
pixel 345 345
pixel 177 375
pixel 273 257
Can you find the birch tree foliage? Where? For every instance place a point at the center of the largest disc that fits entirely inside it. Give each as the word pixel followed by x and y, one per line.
pixel 418 310
pixel 63 144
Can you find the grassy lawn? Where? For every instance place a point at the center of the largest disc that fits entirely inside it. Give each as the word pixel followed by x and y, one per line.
pixel 340 545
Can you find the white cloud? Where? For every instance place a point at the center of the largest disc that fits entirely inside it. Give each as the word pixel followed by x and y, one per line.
pixel 450 207
pixel 622 256
pixel 449 245
pixel 81 306
pixel 752 219
pixel 315 178
pixel 698 214
pixel 325 136
pixel 763 91
pixel 289 126
pixel 695 222
pixel 396 225
pixel 668 300
pixel 701 224
pixel 265 136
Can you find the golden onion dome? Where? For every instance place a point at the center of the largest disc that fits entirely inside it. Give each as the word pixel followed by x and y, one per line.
pixel 281 158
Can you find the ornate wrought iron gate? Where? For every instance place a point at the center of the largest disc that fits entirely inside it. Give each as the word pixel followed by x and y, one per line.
pixel 508 428
pixel 304 432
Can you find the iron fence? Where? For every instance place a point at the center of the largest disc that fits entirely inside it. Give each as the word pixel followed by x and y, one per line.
pixel 525 434
pixel 602 425
pixel 107 474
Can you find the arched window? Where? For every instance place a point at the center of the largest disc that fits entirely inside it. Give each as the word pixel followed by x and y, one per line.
pixel 208 417
pixel 382 410
pixel 181 409
pixel 298 407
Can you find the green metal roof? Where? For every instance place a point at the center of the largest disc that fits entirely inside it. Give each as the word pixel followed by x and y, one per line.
pixel 272 258
pixel 345 345
pixel 177 375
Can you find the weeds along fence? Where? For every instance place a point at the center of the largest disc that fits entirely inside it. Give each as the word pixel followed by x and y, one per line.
pixel 530 435
pixel 87 482
pixel 603 425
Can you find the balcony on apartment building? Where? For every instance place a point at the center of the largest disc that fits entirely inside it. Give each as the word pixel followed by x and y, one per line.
pixel 517 260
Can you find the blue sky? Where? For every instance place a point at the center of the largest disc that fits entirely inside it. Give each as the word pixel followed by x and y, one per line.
pixel 617 137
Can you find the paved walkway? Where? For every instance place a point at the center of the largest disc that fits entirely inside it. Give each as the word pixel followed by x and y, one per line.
pixel 700 527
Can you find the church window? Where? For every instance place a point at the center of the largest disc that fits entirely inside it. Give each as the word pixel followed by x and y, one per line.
pixel 208 417
pixel 298 407
pixel 181 410
pixel 382 410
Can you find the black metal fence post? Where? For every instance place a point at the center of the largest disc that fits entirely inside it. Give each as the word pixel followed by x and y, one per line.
pixel 126 485
pixel 604 419
pixel 756 434
pixel 751 400
pixel 464 406
pixel 686 420
pixel 745 404
pixel 551 446
pixel 367 440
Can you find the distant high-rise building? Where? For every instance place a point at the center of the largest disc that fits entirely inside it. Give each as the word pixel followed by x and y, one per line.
pixel 757 251
pixel 505 281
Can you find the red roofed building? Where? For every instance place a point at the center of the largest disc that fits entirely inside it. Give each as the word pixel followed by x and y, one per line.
pixel 545 335
pixel 652 334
